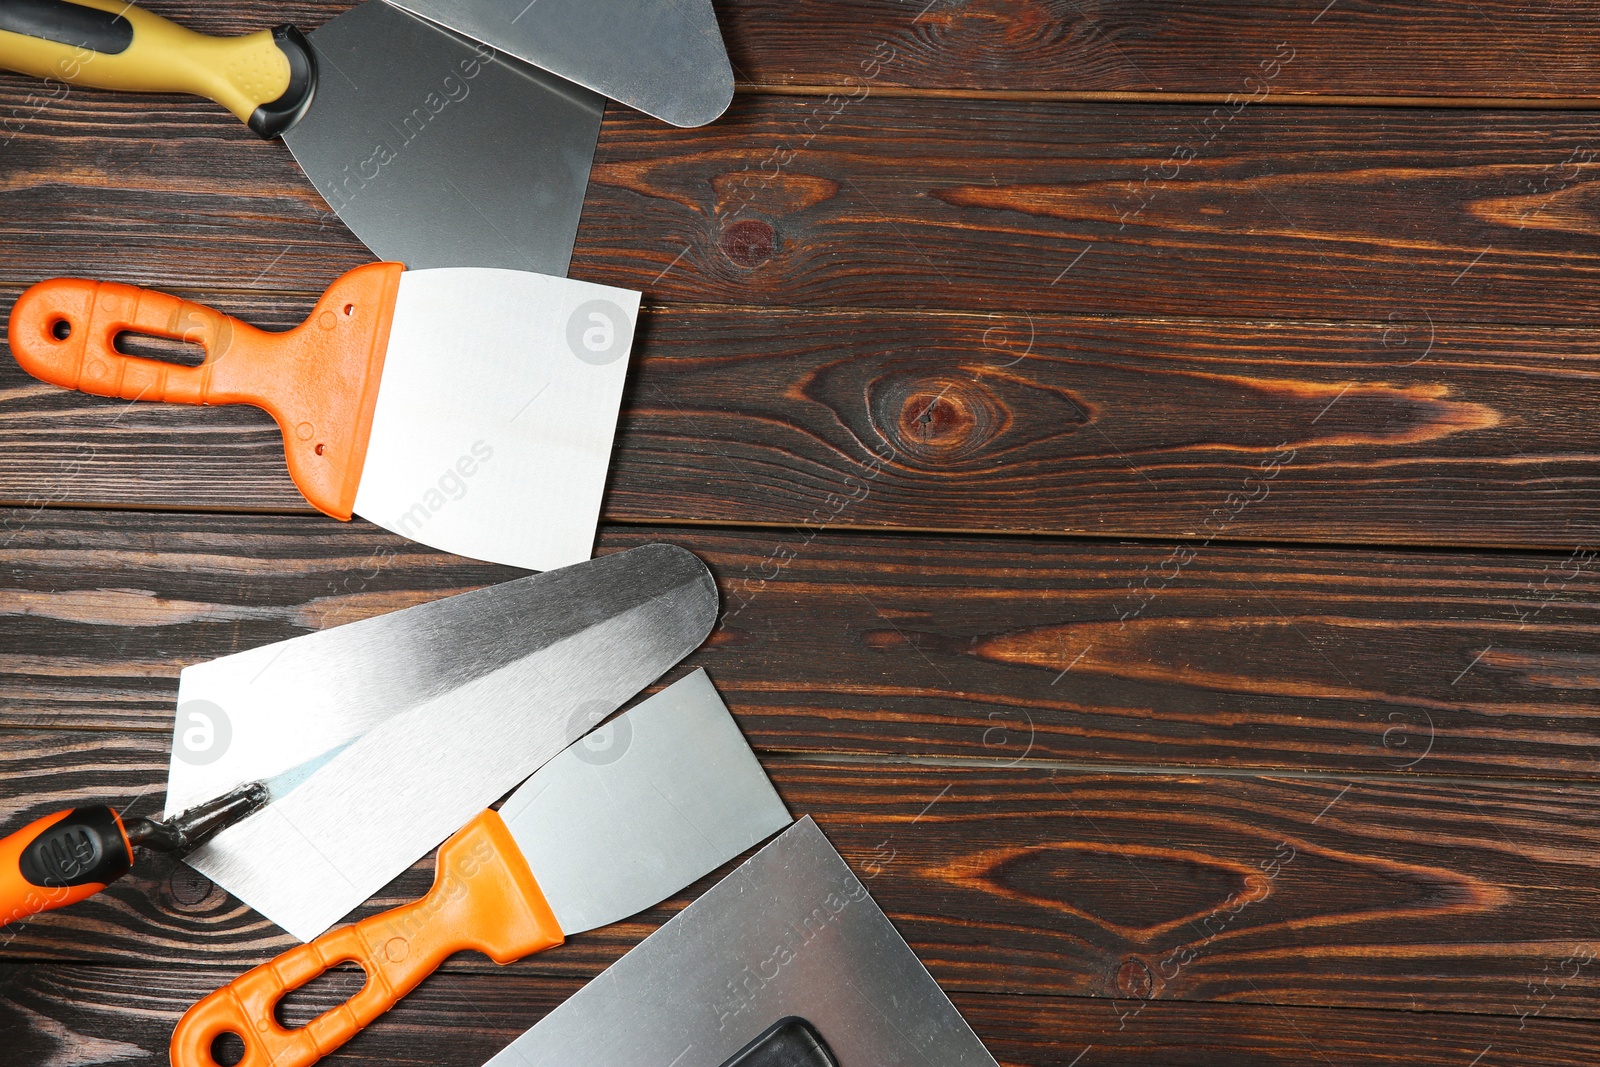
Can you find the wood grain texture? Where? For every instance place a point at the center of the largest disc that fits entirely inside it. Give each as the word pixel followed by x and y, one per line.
pixel 1226 212
pixel 1411 216
pixel 946 284
pixel 1136 888
pixel 1492 48
pixel 1202 430
pixel 1036 1030
pixel 1333 661
pixel 88 1016
pixel 1505 48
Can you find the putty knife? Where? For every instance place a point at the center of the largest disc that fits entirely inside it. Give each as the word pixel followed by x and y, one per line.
pixel 421 719
pixel 791 934
pixel 435 151
pixel 471 409
pixel 618 822
pixel 664 57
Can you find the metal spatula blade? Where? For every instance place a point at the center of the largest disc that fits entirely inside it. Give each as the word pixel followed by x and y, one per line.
pixel 792 933
pixel 663 57
pixel 438 153
pixel 441 708
pixel 642 807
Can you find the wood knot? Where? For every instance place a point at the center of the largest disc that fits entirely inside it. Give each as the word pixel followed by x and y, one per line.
pixel 749 243
pixel 189 888
pixel 943 420
pixel 1134 979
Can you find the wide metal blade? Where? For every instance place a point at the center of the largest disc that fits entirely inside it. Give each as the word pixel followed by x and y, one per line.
pixel 791 933
pixel 664 57
pixel 496 413
pixel 446 707
pixel 652 801
pixel 437 152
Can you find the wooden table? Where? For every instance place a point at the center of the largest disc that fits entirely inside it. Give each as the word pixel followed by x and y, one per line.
pixel 1148 452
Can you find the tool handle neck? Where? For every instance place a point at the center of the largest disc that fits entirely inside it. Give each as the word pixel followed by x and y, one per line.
pixel 61 859
pixel 318 380
pixel 266 79
pixel 274 118
pixel 484 898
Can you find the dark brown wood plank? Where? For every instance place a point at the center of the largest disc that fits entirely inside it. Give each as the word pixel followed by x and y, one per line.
pixel 1036 1030
pixel 1230 658
pixel 1407 895
pixel 1410 216
pixel 1491 48
pixel 1012 206
pixel 1504 48
pixel 1201 430
pixel 102 1015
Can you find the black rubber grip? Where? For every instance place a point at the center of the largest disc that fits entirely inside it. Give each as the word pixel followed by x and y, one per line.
pixel 85 848
pixel 105 32
pixel 279 117
pixel 790 1042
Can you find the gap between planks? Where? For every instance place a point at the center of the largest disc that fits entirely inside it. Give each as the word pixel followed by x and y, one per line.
pixel 1156 98
pixel 1131 538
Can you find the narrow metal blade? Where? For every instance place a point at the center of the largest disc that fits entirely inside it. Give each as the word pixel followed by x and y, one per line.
pixel 664 57
pixel 634 812
pixel 496 414
pixel 792 932
pixel 254 715
pixel 501 679
pixel 437 152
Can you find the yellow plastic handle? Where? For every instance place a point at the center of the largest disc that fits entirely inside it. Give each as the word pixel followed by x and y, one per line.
pixel 109 44
pixel 484 897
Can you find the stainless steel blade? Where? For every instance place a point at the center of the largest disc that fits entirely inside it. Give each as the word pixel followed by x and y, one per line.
pixel 257 714
pixel 485 687
pixel 439 153
pixel 792 932
pixel 496 413
pixel 664 57
pixel 642 807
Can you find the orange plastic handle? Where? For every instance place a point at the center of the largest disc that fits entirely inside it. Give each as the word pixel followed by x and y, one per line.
pixel 484 897
pixel 318 380
pixel 20 898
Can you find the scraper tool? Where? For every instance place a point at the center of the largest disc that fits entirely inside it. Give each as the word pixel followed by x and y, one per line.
pixel 618 822
pixel 470 409
pixel 433 149
pixel 421 719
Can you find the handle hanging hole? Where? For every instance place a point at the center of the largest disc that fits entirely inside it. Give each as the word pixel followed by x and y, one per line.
pixel 327 991
pixel 61 329
pixel 320 448
pixel 228 1049
pixel 349 309
pixel 162 349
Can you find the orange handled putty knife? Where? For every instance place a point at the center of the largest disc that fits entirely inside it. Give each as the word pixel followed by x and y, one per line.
pixel 72 855
pixel 471 409
pixel 659 797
